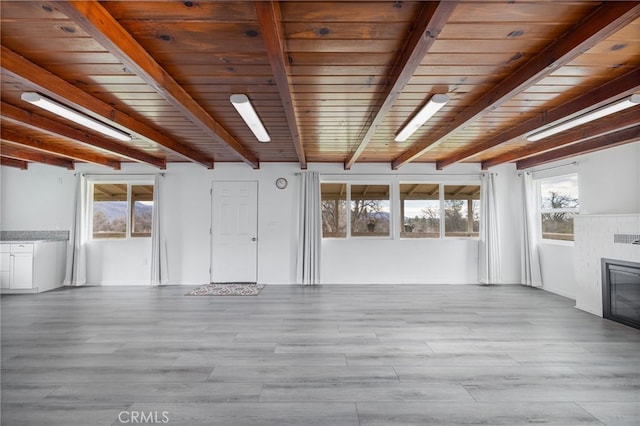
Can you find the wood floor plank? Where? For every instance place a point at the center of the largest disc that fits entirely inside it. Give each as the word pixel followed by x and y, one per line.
pixel 325 355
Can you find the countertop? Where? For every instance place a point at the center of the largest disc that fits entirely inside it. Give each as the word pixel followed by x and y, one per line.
pixel 33 236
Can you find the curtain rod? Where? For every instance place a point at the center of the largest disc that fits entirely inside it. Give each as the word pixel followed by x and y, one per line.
pixel 575 163
pixel 118 174
pixel 393 174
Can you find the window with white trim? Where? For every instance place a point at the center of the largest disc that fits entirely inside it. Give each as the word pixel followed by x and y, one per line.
pixel 370 210
pixel 558 203
pixel 426 210
pixel 461 210
pixel 334 209
pixel 363 209
pixel 121 210
pixel 420 210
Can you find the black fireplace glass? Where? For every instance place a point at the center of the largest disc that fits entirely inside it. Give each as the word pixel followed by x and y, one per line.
pixel 621 291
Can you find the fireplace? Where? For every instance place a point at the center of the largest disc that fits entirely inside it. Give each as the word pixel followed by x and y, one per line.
pixel 621 291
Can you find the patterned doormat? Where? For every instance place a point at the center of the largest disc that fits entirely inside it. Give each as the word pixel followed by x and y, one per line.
pixel 227 289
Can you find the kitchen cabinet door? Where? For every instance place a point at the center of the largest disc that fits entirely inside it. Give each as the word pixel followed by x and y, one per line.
pixel 21 271
pixel 5 268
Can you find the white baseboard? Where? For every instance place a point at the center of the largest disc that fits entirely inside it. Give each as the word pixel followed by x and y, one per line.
pixel 559 292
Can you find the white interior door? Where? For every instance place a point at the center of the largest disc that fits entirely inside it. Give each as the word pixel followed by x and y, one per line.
pixel 234 231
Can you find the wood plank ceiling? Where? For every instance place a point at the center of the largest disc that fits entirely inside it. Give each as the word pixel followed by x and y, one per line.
pixel 332 81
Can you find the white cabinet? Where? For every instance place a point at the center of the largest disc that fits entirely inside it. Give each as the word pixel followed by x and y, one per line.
pixel 32 267
pixel 21 266
pixel 5 262
pixel 17 266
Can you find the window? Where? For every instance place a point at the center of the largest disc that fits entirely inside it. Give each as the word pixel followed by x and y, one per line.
pixel 420 210
pixel 142 210
pixel 122 210
pixel 370 210
pixel 558 204
pixel 427 210
pixel 334 209
pixel 365 208
pixel 462 210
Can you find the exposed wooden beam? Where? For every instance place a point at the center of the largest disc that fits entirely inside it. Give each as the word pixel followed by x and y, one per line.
pixel 620 87
pixel 432 18
pixel 53 86
pixel 12 162
pixel 8 150
pixel 44 124
pixel 94 19
pixel 619 121
pixel 622 137
pixel 605 20
pixel 14 137
pixel 270 20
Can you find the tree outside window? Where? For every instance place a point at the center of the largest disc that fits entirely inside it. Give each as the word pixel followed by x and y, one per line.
pixel 334 209
pixel 370 210
pixel 461 210
pixel 121 210
pixel 559 203
pixel 420 210
pixel 426 210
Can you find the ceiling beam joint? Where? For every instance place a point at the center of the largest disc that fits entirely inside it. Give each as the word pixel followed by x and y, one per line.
pixel 94 19
pixel 432 18
pixel 270 21
pixel 601 23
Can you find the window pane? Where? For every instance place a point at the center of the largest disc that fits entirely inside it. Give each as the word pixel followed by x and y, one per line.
pixel 557 226
pixel 420 205
pixel 109 211
pixel 559 192
pixel 558 204
pixel 461 210
pixel 370 210
pixel 334 209
pixel 141 216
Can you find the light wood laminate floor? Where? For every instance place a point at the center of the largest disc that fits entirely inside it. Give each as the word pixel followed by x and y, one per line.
pixel 326 355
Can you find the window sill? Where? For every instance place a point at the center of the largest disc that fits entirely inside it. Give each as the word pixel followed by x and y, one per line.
pixel 556 243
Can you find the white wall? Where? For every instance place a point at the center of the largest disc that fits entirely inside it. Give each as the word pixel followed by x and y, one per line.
pixel 610 202
pixel 42 198
pixel 37 199
pixel 558 274
pixel 609 183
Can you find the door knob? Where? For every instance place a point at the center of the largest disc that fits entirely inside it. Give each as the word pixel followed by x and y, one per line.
pixel 254 239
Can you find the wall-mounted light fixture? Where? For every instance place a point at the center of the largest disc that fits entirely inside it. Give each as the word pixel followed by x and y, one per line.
pixel 242 104
pixel 75 116
pixel 625 103
pixel 435 103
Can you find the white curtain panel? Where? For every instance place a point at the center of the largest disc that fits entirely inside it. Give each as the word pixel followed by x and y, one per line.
pixel 76 271
pixel 489 244
pixel 310 230
pixel 531 273
pixel 159 271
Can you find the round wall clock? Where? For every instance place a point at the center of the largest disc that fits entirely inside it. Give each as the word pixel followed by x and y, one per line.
pixel 281 183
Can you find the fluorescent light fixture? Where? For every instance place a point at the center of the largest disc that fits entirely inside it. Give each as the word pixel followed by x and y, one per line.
pixel 242 104
pixel 75 116
pixel 435 103
pixel 632 100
